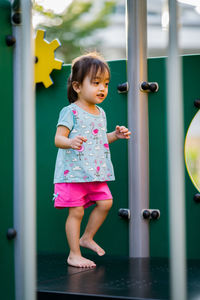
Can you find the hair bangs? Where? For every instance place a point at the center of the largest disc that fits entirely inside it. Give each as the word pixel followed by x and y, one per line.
pixel 98 68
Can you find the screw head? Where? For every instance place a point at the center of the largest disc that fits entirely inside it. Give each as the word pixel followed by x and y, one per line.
pixel 10 40
pixel 16 18
pixel 154 214
pixel 144 86
pixel 153 87
pixel 197 103
pixel 123 88
pixel 197 198
pixel 11 233
pixel 124 213
pixel 146 214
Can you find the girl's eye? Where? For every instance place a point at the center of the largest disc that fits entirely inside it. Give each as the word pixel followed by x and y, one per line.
pixel 107 84
pixel 95 82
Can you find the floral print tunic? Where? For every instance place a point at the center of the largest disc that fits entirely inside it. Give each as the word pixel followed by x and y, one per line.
pixel 92 162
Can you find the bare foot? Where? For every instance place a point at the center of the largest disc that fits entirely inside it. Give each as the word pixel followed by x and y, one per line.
pixel 80 262
pixel 90 244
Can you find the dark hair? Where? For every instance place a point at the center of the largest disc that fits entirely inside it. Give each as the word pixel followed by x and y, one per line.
pixel 88 64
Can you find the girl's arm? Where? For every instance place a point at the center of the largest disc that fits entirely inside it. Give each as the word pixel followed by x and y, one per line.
pixel 121 132
pixel 62 141
pixel 111 136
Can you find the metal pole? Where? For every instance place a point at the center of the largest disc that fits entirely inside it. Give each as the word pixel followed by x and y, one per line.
pixel 18 180
pixel 175 160
pixel 138 147
pixel 24 158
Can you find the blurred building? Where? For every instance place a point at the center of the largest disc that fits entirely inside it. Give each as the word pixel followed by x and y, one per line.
pixel 113 38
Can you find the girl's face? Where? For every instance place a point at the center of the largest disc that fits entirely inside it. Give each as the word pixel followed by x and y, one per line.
pixel 95 90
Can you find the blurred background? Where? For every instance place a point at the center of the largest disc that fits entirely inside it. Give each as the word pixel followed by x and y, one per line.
pixel 85 25
pixel 100 25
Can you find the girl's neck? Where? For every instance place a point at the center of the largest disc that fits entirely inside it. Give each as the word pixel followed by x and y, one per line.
pixel 89 107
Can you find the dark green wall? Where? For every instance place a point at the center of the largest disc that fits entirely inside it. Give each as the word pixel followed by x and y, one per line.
pixel 159 241
pixel 113 235
pixel 6 133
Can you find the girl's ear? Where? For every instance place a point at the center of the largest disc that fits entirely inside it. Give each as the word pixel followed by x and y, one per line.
pixel 76 86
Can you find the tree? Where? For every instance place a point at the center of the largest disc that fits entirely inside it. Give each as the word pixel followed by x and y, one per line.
pixel 76 26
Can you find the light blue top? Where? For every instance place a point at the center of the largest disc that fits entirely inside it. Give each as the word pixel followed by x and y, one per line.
pixel 92 162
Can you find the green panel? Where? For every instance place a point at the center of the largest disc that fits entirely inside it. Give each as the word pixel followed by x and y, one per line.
pixel 159 241
pixel 191 67
pixel 50 221
pixel 159 245
pixel 6 133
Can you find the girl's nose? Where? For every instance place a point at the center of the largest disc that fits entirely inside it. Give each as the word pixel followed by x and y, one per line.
pixel 101 87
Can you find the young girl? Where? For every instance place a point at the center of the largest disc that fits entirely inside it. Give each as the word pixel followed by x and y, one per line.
pixel 83 164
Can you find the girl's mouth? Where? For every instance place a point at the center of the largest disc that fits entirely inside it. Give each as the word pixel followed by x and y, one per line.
pixel 100 95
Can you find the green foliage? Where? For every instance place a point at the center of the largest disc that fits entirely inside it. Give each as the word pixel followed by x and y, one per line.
pixel 73 27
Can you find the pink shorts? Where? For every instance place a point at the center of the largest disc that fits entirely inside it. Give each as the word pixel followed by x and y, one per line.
pixel 80 194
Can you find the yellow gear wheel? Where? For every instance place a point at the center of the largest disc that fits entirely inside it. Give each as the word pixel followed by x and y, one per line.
pixel 45 60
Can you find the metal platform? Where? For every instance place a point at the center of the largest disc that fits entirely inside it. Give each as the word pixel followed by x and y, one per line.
pixel 113 278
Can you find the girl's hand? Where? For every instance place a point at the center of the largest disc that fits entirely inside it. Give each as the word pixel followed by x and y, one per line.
pixel 122 132
pixel 77 142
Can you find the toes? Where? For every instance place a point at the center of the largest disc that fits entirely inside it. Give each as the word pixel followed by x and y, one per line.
pixel 87 266
pixel 91 264
pixel 81 263
pixel 101 252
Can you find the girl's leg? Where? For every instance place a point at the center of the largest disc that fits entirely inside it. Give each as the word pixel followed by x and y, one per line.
pixel 96 219
pixel 72 228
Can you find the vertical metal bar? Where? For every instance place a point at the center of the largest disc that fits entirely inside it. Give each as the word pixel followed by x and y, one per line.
pixel 175 160
pixel 138 147
pixel 24 173
pixel 18 179
pixel 29 161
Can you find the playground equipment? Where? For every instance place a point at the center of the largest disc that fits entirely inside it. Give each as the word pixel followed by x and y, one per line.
pixel 45 61
pixel 146 169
